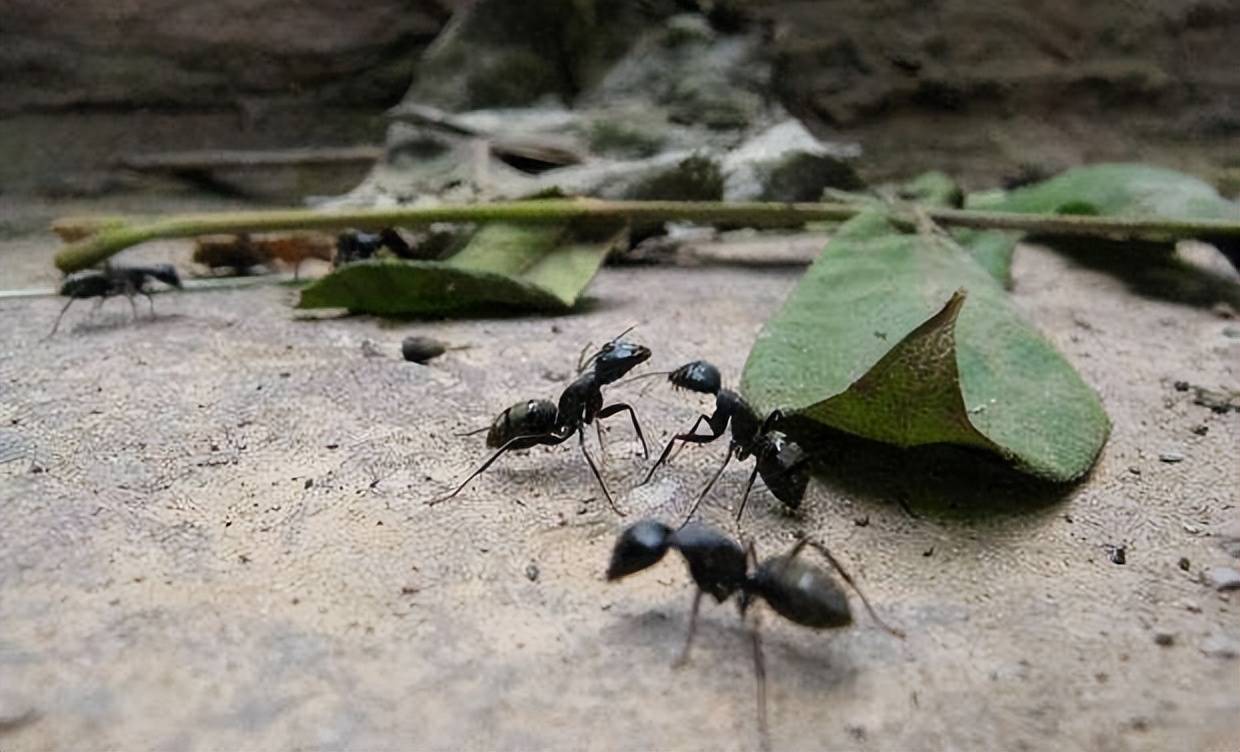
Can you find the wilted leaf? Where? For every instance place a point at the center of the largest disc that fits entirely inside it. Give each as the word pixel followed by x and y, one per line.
pixel 1115 189
pixel 904 338
pixel 1135 190
pixel 534 267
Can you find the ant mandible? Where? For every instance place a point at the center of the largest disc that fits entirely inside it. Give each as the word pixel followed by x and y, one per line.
pixel 781 462
pixel 533 422
pixel 721 568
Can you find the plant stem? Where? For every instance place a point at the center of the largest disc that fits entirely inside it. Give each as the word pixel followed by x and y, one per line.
pixel 114 238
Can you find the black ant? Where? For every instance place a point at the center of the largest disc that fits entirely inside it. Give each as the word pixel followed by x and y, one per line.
pixel 721 568
pixel 781 462
pixel 533 422
pixel 355 245
pixel 115 280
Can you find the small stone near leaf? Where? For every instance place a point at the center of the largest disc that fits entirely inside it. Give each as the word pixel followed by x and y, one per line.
pixel 1222 578
pixel 418 349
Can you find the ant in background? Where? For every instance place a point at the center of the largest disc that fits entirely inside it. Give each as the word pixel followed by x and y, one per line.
pixel 531 423
pixel 720 567
pixel 115 280
pixel 781 462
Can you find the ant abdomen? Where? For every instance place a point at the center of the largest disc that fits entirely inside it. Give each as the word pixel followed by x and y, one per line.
pixel 698 376
pixel 802 593
pixel 525 418
pixel 784 467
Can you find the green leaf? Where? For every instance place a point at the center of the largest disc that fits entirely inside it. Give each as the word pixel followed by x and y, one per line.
pixel 905 339
pixel 530 267
pixel 993 249
pixel 1115 189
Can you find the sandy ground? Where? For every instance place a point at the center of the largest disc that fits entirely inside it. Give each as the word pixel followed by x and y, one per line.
pixel 214 537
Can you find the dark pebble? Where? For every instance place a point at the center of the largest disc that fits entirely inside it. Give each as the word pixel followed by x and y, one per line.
pixel 417 349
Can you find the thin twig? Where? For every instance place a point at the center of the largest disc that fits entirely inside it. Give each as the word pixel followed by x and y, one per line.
pixel 112 239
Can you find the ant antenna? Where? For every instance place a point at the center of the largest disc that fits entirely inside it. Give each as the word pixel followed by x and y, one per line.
pixel 641 376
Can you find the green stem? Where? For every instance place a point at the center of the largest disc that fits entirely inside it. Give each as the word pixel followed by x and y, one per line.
pixel 111 240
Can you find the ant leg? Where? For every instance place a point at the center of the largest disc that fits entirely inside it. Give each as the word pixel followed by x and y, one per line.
pixel 847 578
pixel 683 658
pixel 602 446
pixel 59 317
pixel 590 461
pixel 692 437
pixel 759 675
pixel 726 459
pixel 620 407
pixel 548 439
pixel 748 487
pixel 132 305
pixel 151 301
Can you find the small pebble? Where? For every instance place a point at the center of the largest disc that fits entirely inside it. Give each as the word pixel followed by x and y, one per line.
pixel 416 349
pixel 1171 457
pixel 1201 430
pixel 1222 578
pixel 1119 554
pixel 370 349
pixel 1218 646
pixel 861 521
pixel 1165 639
pixel 1184 563
pixel 531 572
pixel 1181 386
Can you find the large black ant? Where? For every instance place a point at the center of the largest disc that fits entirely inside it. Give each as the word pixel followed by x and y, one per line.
pixel 721 568
pixel 115 280
pixel 533 422
pixel 781 462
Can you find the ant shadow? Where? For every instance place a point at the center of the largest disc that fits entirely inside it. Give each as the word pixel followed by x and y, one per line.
pixel 105 322
pixel 941 481
pixel 722 636
pixel 1152 270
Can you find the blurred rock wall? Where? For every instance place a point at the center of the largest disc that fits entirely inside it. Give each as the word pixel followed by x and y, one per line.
pixel 1049 82
pixel 60 54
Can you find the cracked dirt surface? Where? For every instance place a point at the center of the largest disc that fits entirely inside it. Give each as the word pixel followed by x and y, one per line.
pixel 214 537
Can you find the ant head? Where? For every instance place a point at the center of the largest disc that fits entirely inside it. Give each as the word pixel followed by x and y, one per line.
pixel 698 376
pixel 801 592
pixel 617 358
pixel 166 273
pixel 784 467
pixel 640 546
